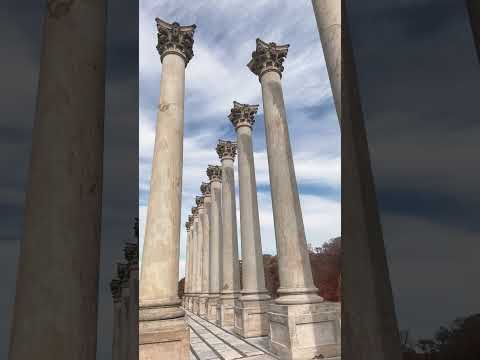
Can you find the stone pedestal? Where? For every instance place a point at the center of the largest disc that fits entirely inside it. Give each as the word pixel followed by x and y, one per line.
pixel 212 308
pixel 305 331
pixel 251 317
pixel 163 332
pixel 202 304
pixel 164 339
pixel 226 311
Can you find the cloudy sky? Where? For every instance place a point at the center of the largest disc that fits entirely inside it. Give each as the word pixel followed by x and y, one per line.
pixel 217 75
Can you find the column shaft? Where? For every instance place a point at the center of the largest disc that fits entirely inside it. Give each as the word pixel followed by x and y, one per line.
pixel 160 260
pixel 328 16
pixel 252 261
pixel 57 278
pixel 293 260
pixel 215 238
pixel 230 268
pixel 206 247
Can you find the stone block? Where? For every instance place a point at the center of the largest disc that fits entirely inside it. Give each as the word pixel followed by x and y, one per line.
pixel 164 339
pixel 226 309
pixel 251 318
pixel 305 331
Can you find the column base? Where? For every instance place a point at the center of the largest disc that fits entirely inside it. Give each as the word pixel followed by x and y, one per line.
pixel 305 331
pixel 212 308
pixel 251 316
pixel 226 311
pixel 203 306
pixel 161 337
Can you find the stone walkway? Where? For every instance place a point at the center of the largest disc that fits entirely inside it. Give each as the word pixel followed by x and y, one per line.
pixel 208 341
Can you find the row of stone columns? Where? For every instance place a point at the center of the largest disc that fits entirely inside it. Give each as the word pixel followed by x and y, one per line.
pixel 299 322
pixel 124 290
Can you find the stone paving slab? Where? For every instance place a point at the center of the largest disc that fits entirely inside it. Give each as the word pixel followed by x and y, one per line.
pixel 208 342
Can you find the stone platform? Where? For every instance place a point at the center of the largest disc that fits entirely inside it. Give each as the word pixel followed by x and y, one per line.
pixel 208 342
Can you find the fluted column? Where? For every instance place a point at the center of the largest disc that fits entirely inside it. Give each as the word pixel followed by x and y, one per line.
pixel 251 309
pixel 214 173
pixel 131 255
pixel 162 323
pixel 230 285
pixel 297 292
pixel 201 241
pixel 205 218
pixel 329 23
pixel 64 190
pixel 115 288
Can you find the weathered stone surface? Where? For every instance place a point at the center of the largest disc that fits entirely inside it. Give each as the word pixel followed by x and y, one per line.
pixel 57 279
pixel 328 16
pixel 230 286
pixel 253 292
pixel 162 323
pixel 305 331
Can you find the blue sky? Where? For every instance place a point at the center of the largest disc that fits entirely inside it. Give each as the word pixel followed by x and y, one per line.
pixel 217 75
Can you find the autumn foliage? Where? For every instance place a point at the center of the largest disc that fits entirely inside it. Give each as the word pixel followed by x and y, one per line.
pixel 325 262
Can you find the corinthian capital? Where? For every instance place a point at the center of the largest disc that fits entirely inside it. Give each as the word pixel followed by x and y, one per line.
pixel 175 39
pixel 242 114
pixel 268 57
pixel 199 200
pixel 205 189
pixel 194 212
pixel 226 149
pixel 214 173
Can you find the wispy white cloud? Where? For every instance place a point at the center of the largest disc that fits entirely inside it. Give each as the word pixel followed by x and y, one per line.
pixel 217 75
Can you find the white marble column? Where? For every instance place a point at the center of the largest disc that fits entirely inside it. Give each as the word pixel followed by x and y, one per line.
pixel 200 243
pixel 205 218
pixel 115 288
pixel 297 292
pixel 162 323
pixel 230 285
pixel 195 260
pixel 329 23
pixel 57 285
pixel 131 255
pixel 251 308
pixel 214 173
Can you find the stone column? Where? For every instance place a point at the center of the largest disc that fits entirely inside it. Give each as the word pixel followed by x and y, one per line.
pixel 205 218
pixel 57 277
pixel 251 308
pixel 300 324
pixel 188 270
pixel 131 255
pixel 190 263
pixel 200 200
pixel 230 285
pixel 195 260
pixel 115 288
pixel 214 173
pixel 329 23
pixel 163 331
